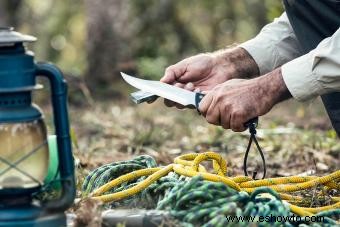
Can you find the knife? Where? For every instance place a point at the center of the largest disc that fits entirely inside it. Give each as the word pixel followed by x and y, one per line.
pixel 150 89
pixel 167 91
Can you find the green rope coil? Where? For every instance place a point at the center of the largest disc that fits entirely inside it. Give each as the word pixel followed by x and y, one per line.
pixel 198 201
pixel 146 199
pixel 195 201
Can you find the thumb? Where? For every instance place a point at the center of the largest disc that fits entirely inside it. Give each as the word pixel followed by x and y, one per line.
pixel 174 72
pixel 169 76
pixel 205 104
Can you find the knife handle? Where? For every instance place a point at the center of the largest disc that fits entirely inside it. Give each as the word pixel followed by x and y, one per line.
pixel 198 99
pixel 252 122
pixel 142 96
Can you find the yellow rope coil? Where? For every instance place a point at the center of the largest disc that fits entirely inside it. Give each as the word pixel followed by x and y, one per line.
pixel 189 165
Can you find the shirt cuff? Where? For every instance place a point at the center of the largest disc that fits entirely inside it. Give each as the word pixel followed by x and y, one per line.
pixel 299 78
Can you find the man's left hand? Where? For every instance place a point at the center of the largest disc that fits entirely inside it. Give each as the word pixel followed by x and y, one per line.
pixel 233 103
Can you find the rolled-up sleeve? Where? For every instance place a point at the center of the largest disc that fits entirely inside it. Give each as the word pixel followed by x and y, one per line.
pixel 275 45
pixel 315 73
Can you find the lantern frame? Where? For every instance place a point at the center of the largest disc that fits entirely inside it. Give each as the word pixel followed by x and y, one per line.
pixel 18 73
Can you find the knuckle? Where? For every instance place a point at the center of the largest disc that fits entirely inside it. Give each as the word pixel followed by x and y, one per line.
pixel 227 107
pixel 170 69
pixel 217 87
pixel 219 95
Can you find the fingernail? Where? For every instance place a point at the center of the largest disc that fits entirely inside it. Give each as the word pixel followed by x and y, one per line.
pixel 180 85
pixel 189 85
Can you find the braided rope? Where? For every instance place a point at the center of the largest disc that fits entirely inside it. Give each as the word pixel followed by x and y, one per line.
pixel 140 180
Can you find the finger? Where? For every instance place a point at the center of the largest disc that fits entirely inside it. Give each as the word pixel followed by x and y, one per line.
pixel 237 121
pixel 173 73
pixel 225 119
pixel 197 90
pixel 238 127
pixel 170 103
pixel 169 75
pixel 213 115
pixel 152 100
pixel 180 85
pixel 189 86
pixel 205 103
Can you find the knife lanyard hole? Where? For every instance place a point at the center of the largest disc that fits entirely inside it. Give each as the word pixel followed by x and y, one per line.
pixel 252 138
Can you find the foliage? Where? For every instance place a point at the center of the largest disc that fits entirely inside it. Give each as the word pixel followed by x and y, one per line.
pixel 155 33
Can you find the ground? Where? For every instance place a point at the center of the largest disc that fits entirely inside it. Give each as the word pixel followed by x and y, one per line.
pixel 296 138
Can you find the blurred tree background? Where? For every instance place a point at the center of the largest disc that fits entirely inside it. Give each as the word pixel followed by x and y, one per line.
pixel 91 41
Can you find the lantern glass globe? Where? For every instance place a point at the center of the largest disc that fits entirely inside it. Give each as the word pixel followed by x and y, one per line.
pixel 24 154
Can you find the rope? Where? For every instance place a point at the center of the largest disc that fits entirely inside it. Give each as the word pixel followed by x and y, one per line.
pixel 134 172
pixel 113 183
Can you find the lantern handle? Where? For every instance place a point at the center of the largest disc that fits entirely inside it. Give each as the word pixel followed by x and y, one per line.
pixel 62 131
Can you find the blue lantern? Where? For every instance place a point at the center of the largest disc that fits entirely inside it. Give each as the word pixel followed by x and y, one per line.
pixel 24 154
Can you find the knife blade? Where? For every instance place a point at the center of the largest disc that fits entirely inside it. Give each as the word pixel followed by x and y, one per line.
pixel 167 91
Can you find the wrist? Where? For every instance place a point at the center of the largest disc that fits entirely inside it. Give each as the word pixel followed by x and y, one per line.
pixel 238 61
pixel 274 87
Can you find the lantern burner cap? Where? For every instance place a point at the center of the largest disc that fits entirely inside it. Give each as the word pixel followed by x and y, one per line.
pixel 9 37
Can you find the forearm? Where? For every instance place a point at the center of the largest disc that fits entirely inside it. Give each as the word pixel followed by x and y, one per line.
pixel 273 87
pixel 239 61
pixel 275 45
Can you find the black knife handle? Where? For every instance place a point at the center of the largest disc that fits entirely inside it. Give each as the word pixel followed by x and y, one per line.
pixel 252 122
pixel 198 99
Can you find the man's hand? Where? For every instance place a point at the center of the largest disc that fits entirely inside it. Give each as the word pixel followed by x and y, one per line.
pixel 235 102
pixel 204 71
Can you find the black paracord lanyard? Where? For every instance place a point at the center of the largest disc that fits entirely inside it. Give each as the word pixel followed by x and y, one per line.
pixel 252 131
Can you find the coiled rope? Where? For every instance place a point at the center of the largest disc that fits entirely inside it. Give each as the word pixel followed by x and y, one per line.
pixel 133 179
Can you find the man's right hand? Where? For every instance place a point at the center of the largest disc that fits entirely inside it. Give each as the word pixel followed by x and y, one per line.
pixel 204 71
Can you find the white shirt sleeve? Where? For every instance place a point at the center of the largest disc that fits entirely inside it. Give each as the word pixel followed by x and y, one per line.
pixel 315 73
pixel 275 45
